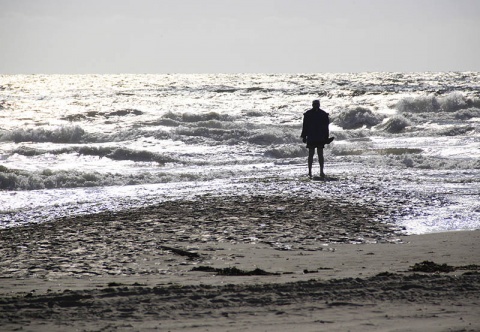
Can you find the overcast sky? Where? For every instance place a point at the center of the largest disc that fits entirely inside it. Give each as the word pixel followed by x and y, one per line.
pixel 236 36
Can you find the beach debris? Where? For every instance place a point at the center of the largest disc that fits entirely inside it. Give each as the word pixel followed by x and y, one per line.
pixel 119 284
pixel 431 267
pixel 471 267
pixel 342 304
pixel 233 271
pixel 306 271
pixel 386 274
pixel 181 252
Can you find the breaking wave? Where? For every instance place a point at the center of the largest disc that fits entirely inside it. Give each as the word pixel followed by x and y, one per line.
pixel 286 151
pixel 351 134
pixel 197 117
pixel 343 151
pixel 357 118
pixel 260 136
pixel 107 115
pixel 456 131
pixel 395 124
pixel 274 136
pixel 427 162
pixel 76 135
pixel 113 153
pixel 408 160
pixel 125 135
pixel 209 131
pixel 11 179
pixel 468 113
pixel 63 134
pixel 451 102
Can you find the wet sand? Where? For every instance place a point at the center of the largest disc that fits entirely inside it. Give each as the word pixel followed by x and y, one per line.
pixel 307 265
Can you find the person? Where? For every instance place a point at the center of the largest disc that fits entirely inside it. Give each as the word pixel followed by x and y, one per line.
pixel 315 133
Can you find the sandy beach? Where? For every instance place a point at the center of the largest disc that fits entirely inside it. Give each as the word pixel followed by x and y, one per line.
pixel 256 263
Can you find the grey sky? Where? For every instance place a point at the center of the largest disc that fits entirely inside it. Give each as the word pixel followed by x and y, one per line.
pixel 234 36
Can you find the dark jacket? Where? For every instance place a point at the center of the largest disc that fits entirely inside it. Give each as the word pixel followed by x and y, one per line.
pixel 315 126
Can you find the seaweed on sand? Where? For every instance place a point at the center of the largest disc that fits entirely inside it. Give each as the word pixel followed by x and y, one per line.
pixel 431 267
pixel 233 271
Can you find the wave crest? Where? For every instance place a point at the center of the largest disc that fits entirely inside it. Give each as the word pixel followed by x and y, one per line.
pixel 427 162
pixel 196 117
pixel 451 102
pixel 63 134
pixel 410 159
pixel 48 179
pixel 395 124
pixel 468 113
pixel 356 118
pixel 287 151
pixel 113 153
pixel 235 133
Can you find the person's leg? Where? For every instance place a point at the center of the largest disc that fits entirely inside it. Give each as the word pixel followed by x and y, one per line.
pixel 321 161
pixel 311 153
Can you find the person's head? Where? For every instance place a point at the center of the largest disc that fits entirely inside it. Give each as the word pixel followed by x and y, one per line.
pixel 316 104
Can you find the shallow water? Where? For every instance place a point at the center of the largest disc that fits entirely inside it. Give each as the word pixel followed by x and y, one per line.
pixel 87 143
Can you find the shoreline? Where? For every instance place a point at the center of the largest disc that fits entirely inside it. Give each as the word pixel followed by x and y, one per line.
pixel 100 271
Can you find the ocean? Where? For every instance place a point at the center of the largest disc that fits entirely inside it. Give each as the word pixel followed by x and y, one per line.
pixel 82 144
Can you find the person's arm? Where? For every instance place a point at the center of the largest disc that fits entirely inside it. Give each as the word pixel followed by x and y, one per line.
pixel 328 125
pixel 303 135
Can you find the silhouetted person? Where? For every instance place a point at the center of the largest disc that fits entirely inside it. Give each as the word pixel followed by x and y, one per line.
pixel 315 133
